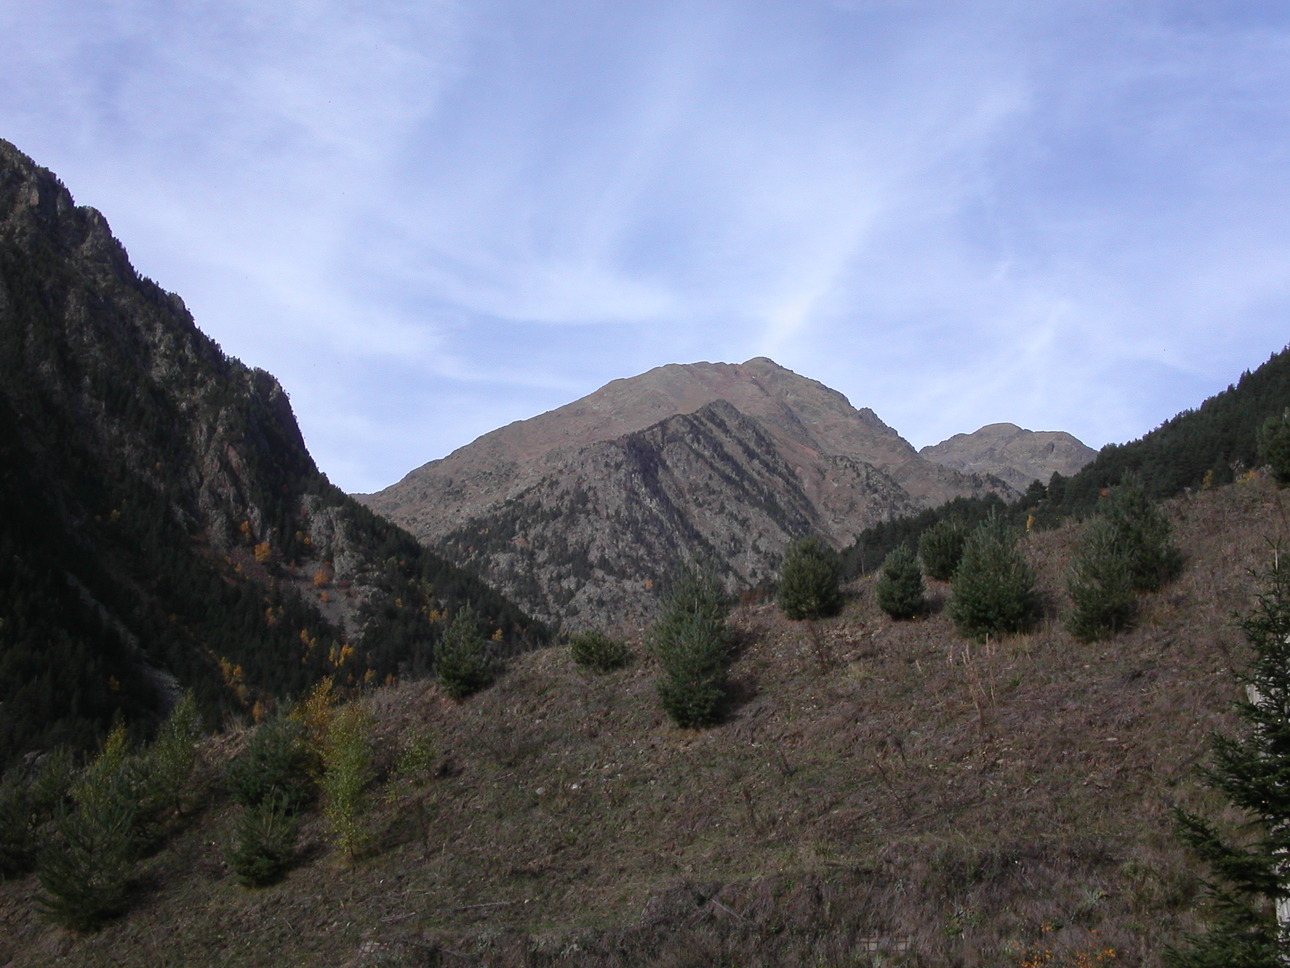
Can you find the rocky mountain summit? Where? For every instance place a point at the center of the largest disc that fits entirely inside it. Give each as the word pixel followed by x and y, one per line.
pixel 579 513
pixel 1012 454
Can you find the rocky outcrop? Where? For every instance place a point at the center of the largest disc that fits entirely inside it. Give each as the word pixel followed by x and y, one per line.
pixel 1012 454
pixel 580 514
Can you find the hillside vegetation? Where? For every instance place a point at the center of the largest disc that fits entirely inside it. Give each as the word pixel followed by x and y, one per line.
pixel 1194 450
pixel 880 792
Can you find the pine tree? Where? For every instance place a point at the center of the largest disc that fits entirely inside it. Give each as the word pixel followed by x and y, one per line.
pixel 1100 584
pixel 941 548
pixel 461 661
pixel 170 759
pixel 17 824
pixel 264 842
pixel 899 589
pixel 277 763
pixel 809 580
pixel 86 867
pixel 1251 871
pixel 993 592
pixel 692 643
pixel 1274 446
pixel 1143 534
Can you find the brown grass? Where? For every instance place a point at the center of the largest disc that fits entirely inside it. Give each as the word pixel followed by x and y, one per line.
pixel 882 793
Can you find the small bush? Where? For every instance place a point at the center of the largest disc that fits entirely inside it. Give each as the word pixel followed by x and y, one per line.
pixel 692 643
pixel 417 755
pixel 461 661
pixel 277 764
pixel 809 580
pixel 941 548
pixel 599 652
pixel 993 591
pixel 1100 585
pixel 264 845
pixel 899 589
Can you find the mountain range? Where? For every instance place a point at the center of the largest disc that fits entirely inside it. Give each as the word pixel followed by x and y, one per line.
pixel 580 514
pixel 879 791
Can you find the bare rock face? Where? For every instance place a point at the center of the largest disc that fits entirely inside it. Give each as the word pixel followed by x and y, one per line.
pixel 1017 456
pixel 580 513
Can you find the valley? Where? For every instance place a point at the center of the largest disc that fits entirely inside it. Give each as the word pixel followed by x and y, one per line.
pixel 875 793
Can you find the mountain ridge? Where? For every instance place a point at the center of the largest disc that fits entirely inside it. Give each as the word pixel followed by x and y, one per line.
pixel 842 468
pixel 164 525
pixel 1013 454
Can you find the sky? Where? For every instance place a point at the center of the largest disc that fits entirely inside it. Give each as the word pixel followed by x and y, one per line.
pixel 431 219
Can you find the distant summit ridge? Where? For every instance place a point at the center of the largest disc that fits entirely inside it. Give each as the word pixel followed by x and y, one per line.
pixel 578 512
pixel 1012 454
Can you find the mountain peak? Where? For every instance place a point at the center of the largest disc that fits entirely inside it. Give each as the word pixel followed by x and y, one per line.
pixel 1011 453
pixel 724 461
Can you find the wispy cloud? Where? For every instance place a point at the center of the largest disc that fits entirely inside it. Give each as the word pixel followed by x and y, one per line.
pixel 431 220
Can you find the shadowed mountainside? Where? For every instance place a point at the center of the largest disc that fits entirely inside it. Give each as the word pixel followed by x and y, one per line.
pixel 163 525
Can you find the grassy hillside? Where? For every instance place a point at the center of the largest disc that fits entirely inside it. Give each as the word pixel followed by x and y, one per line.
pixel 881 794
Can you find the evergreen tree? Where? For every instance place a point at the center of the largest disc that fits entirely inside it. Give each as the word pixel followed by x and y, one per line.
pixel 692 643
pixel 169 761
pixel 941 548
pixel 1274 446
pixel 993 592
pixel 461 661
pixel 276 764
pixel 86 867
pixel 809 580
pixel 264 844
pixel 899 589
pixel 1143 535
pixel 1251 870
pixel 17 824
pixel 1100 584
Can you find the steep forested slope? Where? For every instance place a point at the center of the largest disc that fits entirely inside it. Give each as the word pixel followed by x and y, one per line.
pixel 1201 448
pixel 162 525
pixel 1207 446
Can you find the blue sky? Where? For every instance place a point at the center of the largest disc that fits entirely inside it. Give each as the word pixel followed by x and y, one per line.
pixel 431 219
